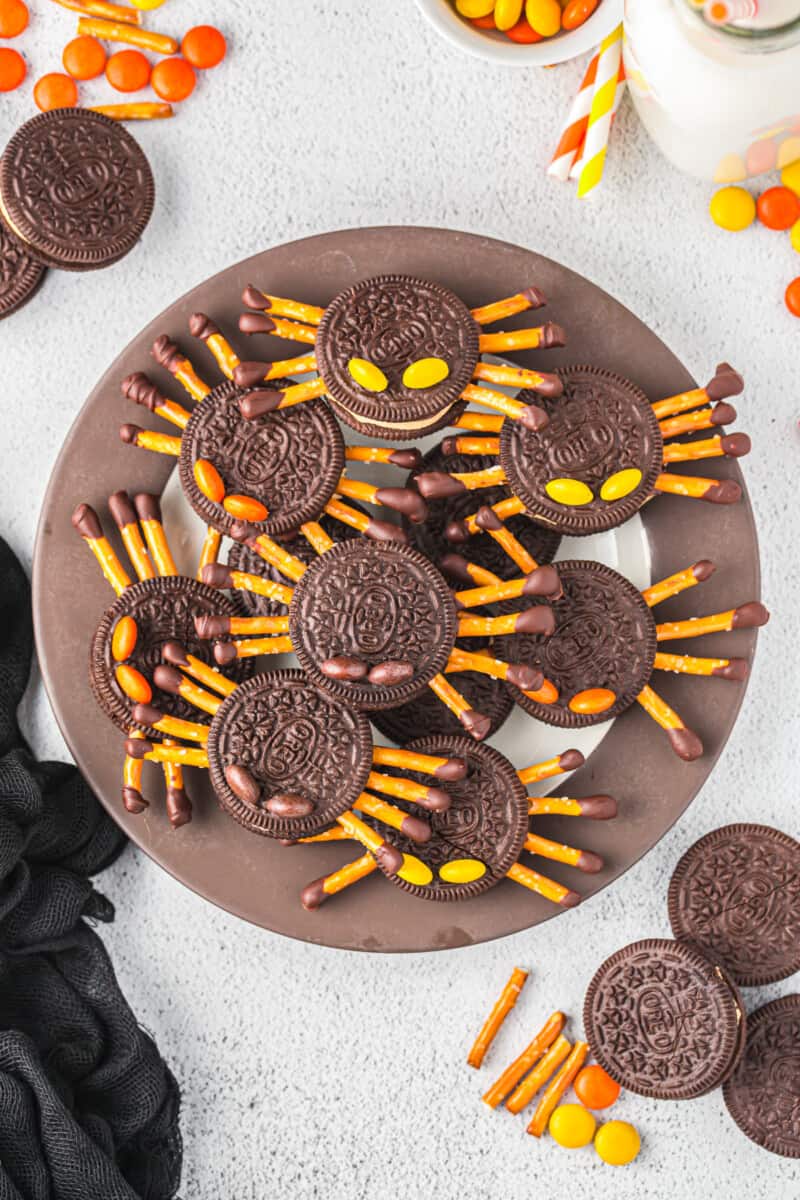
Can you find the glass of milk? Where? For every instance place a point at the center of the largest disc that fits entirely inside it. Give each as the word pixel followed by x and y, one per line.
pixel 722 102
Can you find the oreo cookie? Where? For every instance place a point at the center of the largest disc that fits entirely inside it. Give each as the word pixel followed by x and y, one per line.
pixel 605 638
pixel 372 623
pixel 76 189
pixel 476 841
pixel 542 544
pixel 285 759
pixel 369 337
pixel 164 609
pixel 290 461
pixel 597 461
pixel 735 895
pixel 664 1021
pixel 20 274
pixel 763 1093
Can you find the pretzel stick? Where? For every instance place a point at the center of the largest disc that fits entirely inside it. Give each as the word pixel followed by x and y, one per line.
pixel 479 422
pixel 86 521
pixel 448 769
pixel 191 731
pixel 546 694
pixel 168 356
pixel 219 576
pixel 541 582
pixel 528 298
pixel 130 35
pixel 432 798
pixel 381 531
pixel 278 557
pixel 127 523
pixel 523 1062
pixel 584 860
pixel 201 326
pixel 746 616
pixel 546 336
pixel 228 652
pixel 595 808
pixel 461 530
pixel 256 404
pixel 254 298
pixel 476 724
pixel 716 491
pixel 413 827
pixel 335 834
pixel 293 331
pixel 140 110
pixel 218 626
pixel 132 798
pixel 102 8
pixel 471 445
pixel 684 741
pixel 726 382
pixel 317 892
pixel 247 374
pixel 169 679
pixel 148 439
pixel 179 806
pixel 467 572
pixel 725 668
pixel 569 760
pixel 530 415
pixel 548 888
pixel 521 675
pixel 556 1089
pixel 407 459
pixel 388 856
pixel 402 500
pixel 520 622
pixel 177 656
pixel 187 756
pixel 535 381
pixel 435 485
pixel 210 549
pixel 527 1089
pixel 148 510
pixel 139 388
pixel 491 1026
pixel 701 418
pixel 317 538
pixel 487 520
pixel 699 572
pixel 731 445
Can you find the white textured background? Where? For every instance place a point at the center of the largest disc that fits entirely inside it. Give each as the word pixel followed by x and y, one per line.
pixel 313 1073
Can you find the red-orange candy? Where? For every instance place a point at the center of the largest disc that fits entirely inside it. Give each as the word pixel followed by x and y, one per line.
pixel 173 79
pixel 123 639
pixel 12 69
pixel 576 12
pixel 245 508
pixel 128 71
pixel 523 34
pixel 55 91
pixel 593 700
pixel 792 297
pixel 13 18
pixel 778 208
pixel 203 47
pixel 84 58
pixel 486 22
pixel 133 684
pixel 595 1088
pixel 209 480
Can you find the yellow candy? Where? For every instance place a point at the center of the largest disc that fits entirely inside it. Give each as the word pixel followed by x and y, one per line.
pixel 795 236
pixel 147 5
pixel 368 375
pixel 572 1126
pixel 462 870
pixel 732 208
pixel 788 154
pixel 507 13
pixel 544 16
pixel 617 1143
pixel 425 373
pixel 621 484
pixel 475 8
pixel 569 491
pixel 790 177
pixel 414 870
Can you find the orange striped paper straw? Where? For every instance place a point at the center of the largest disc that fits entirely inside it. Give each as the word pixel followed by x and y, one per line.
pixel 575 169
pixel 572 135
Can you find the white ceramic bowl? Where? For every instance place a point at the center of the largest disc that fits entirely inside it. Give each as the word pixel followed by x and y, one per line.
pixel 494 46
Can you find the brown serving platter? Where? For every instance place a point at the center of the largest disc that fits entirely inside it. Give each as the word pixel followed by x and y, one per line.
pixel 258 879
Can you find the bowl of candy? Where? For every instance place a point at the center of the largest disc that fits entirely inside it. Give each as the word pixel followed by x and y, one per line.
pixel 524 33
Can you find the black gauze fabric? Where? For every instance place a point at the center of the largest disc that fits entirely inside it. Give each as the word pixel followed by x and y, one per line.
pixel 88 1109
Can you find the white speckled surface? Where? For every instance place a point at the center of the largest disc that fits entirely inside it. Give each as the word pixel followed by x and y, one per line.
pixel 313 1073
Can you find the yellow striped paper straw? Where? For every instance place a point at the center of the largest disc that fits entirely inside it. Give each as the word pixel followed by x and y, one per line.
pixel 594 150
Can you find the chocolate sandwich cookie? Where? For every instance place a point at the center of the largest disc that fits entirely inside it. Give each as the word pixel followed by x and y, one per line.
pixel 763 1093
pixel 20 274
pixel 476 841
pixel 396 352
pixel 76 189
pixel 596 462
pixel 286 462
pixel 372 623
pixel 664 1021
pixel 601 654
pixel 735 895
pixel 285 759
pixel 163 609
pixel 481 549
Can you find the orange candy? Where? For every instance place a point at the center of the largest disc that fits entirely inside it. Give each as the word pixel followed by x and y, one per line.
pixel 778 208
pixel 245 508
pixel 84 58
pixel 792 297
pixel 595 1088
pixel 523 34
pixel 128 71
pixel 576 12
pixel 593 700
pixel 12 69
pixel 13 18
pixel 203 47
pixel 209 480
pixel 55 91
pixel 173 79
pixel 486 22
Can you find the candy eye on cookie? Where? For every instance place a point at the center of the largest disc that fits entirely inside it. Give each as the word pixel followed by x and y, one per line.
pixel 575 493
